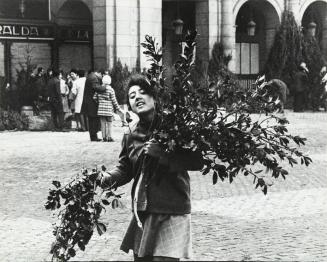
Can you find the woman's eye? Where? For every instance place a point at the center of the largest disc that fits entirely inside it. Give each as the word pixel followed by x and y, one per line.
pixel 142 91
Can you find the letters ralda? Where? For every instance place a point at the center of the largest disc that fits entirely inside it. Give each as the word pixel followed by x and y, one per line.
pixel 19 30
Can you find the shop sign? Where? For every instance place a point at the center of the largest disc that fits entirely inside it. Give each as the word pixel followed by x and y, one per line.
pixel 75 34
pixel 26 31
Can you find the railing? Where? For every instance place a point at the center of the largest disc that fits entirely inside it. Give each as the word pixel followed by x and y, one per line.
pixel 246 81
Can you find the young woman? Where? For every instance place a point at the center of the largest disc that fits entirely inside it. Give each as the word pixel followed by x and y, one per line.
pixel 161 225
pixel 107 105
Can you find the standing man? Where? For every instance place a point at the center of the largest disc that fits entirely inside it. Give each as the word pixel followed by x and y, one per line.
pixel 89 106
pixel 300 88
pixel 57 113
pixel 78 92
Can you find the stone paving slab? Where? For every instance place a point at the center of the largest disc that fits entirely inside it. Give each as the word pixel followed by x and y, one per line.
pixel 230 221
pixel 281 226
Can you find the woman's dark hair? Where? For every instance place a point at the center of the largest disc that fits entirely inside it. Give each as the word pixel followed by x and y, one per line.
pixel 143 83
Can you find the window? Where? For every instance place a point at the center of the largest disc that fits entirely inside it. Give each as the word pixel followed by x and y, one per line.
pixel 247 58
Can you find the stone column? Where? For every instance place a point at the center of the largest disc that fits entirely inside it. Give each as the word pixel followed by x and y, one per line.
pixel 294 6
pixel 150 23
pixel 214 7
pixel 202 26
pixel 228 30
pixel 101 19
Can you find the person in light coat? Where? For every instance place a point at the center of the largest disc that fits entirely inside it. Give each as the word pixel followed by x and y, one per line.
pixel 78 92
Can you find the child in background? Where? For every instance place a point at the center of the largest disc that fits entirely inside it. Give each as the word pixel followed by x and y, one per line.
pixel 107 105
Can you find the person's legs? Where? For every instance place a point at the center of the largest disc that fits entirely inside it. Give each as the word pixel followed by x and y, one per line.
pixel 61 119
pixel 109 129
pixel 78 121
pixel 54 117
pixel 82 121
pixel 93 128
pixel 103 127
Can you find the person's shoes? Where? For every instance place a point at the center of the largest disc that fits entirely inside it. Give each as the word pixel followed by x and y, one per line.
pixel 110 139
pixel 96 140
pixel 104 140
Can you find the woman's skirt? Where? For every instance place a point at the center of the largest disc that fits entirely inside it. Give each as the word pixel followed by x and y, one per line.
pixel 162 235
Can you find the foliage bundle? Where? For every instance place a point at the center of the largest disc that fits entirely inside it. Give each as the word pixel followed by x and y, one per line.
pixel 289 49
pixel 286 52
pixel 11 120
pixel 80 204
pixel 27 93
pixel 231 142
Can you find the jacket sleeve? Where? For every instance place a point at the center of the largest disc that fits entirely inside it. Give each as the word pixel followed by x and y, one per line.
pixel 122 173
pixel 184 159
pixel 114 100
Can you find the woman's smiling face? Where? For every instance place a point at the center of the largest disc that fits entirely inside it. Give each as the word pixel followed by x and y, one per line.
pixel 140 102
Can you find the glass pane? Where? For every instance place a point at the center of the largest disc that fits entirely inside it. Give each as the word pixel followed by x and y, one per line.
pixel 237 58
pixel 245 58
pixel 2 60
pixel 254 58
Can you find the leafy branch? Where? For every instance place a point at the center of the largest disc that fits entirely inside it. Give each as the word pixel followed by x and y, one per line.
pixel 231 141
pixel 80 204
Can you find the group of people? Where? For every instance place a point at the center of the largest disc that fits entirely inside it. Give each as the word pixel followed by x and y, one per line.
pixel 88 97
pixel 301 92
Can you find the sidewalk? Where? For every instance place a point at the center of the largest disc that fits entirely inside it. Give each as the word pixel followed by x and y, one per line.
pixel 230 221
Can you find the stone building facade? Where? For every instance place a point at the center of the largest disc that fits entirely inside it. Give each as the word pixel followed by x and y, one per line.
pixel 96 33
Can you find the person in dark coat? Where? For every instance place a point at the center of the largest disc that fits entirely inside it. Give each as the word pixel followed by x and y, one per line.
pixel 57 113
pixel 300 88
pixel 280 90
pixel 89 106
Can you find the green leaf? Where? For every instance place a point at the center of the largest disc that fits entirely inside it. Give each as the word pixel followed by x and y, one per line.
pixel 214 177
pixel 71 252
pixel 114 203
pixel 56 184
pixel 101 228
pixel 105 202
pixel 81 245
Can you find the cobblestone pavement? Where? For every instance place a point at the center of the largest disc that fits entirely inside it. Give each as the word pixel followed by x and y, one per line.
pixel 230 221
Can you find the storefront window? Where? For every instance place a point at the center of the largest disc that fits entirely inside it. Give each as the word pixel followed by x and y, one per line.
pixel 24 9
pixel 247 58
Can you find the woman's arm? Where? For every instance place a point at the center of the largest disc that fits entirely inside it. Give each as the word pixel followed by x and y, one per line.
pixel 180 160
pixel 123 172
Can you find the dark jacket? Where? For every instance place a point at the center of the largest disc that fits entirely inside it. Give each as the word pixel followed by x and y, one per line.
pixel 167 187
pixel 92 84
pixel 300 82
pixel 54 94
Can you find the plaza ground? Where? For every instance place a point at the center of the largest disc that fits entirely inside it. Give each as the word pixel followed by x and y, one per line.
pixel 230 221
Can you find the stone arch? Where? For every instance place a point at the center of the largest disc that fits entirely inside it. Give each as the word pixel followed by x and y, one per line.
pixel 267 19
pixel 304 6
pixel 68 11
pixel 276 5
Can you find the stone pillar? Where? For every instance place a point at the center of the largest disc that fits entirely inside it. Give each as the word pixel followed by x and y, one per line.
pixel 101 19
pixel 202 22
pixel 228 30
pixel 150 23
pixel 116 32
pixel 324 38
pixel 294 6
pixel 213 23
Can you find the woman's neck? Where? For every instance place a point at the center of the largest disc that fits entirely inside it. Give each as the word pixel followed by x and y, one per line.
pixel 147 117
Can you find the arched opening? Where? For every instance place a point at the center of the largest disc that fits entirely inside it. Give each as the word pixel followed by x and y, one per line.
pixel 252 47
pixel 74 21
pixel 316 13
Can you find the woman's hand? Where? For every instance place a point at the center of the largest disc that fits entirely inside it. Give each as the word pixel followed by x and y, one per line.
pixel 152 148
pixel 105 180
